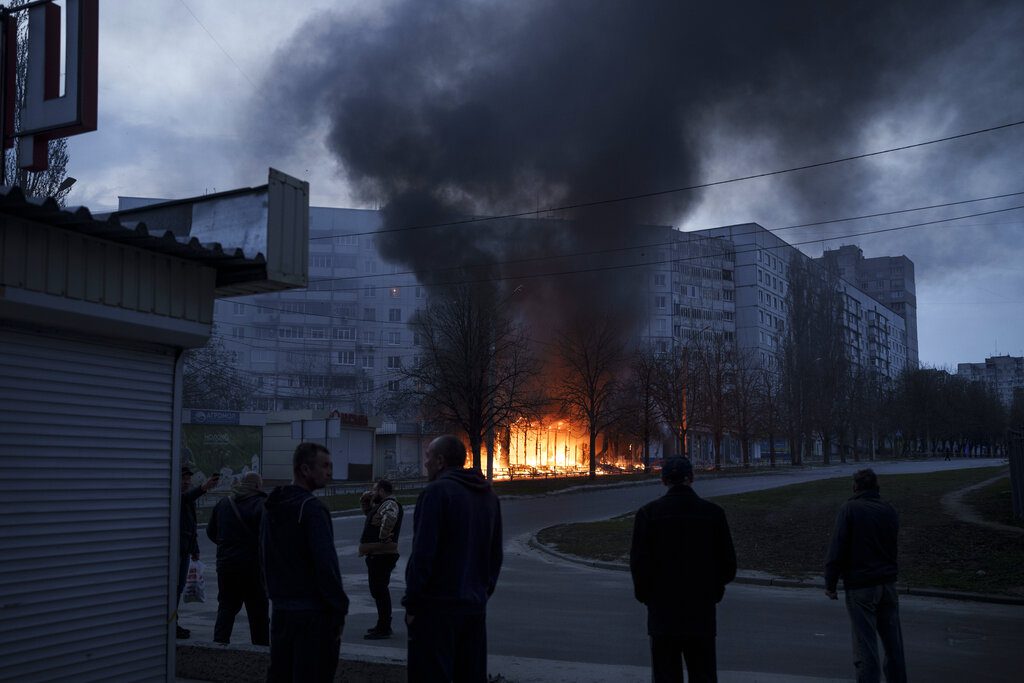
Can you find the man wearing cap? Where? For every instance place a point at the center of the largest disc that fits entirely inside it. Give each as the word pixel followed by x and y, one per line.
pixel 681 558
pixel 188 541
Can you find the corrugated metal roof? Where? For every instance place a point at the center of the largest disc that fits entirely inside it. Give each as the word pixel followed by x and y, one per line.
pixel 232 266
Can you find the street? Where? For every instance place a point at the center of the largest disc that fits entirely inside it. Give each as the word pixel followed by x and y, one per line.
pixel 547 609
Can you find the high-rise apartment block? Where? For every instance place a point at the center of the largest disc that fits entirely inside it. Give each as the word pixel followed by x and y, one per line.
pixel 887 279
pixel 1002 374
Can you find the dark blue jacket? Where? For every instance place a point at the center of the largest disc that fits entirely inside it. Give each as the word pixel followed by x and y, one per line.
pixel 863 549
pixel 681 558
pixel 299 559
pixel 237 539
pixel 456 545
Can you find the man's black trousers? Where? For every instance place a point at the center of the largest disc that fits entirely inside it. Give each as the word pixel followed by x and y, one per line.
pixel 668 652
pixel 237 587
pixel 304 647
pixel 448 647
pixel 379 568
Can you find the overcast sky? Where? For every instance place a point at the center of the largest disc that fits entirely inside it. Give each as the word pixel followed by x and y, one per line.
pixel 186 110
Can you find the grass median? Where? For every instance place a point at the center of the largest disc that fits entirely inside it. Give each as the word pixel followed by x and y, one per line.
pixel 785 531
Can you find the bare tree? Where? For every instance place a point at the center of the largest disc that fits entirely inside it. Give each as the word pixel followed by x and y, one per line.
pixel 592 358
pixel 676 393
pixel 476 369
pixel 745 396
pixel 640 410
pixel 48 183
pixel 716 377
pixel 211 379
pixel 770 409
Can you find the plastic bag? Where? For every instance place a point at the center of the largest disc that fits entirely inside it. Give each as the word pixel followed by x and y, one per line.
pixel 195 583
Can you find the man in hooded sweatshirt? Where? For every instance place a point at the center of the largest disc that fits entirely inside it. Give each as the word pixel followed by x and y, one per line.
pixel 234 527
pixel 302 573
pixel 452 569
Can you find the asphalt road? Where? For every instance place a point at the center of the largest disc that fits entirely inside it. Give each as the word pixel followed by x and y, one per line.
pixel 548 609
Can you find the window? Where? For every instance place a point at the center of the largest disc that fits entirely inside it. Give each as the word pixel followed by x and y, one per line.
pixel 320 260
pixel 419 293
pixel 369 266
pixel 317 333
pixel 728 295
pixel 395 292
pixel 346 357
pixel 394 362
pixel 659 302
pixel 394 338
pixel 262 356
pixel 344 333
pixel 345 261
pixel 394 385
pixel 727 275
pixel 368 362
pixel 394 315
pixel 346 241
pixel 289 333
pixel 369 291
pixel 659 280
pixel 238 332
pixel 660 325
pixel 237 308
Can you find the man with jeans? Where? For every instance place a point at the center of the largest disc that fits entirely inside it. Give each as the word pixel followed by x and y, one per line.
pixel 863 553
pixel 379 545
pixel 303 578
pixel 452 569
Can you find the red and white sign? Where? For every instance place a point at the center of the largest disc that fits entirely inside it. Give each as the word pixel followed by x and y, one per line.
pixel 46 114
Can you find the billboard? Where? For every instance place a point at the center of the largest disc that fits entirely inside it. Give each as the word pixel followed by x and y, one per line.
pixel 230 449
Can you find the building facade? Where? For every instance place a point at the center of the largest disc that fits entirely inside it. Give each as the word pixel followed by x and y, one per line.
pixel 1002 374
pixel 887 279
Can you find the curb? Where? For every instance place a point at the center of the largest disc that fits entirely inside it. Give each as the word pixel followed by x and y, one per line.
pixel 752 579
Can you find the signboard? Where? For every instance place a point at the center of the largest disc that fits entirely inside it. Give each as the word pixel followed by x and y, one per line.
pixel 217 417
pixel 46 114
pixel 231 450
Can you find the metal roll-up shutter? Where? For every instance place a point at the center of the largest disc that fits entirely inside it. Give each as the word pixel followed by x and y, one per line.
pixel 85 460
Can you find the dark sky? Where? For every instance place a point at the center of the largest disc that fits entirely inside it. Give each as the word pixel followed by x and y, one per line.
pixel 447 107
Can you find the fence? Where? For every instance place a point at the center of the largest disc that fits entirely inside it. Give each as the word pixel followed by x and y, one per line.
pixel 1016 439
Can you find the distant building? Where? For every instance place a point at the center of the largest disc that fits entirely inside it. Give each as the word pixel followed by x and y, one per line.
pixel 876 336
pixel 1002 374
pixel 887 279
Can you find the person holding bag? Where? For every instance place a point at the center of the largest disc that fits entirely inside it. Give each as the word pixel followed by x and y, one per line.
pixel 234 527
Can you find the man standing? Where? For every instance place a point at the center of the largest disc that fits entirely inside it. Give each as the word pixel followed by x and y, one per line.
pixel 681 558
pixel 235 528
pixel 379 544
pixel 303 578
pixel 188 541
pixel 453 568
pixel 863 552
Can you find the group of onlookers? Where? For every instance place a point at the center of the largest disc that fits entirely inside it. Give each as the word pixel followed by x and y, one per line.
pixel 281 547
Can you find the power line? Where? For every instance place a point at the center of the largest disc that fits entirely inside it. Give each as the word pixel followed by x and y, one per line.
pixel 687 188
pixel 607 268
pixel 217 43
pixel 692 236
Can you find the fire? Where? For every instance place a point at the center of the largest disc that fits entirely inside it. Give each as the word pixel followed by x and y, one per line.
pixel 550 447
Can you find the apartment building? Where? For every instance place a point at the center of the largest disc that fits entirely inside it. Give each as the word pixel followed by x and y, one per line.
pixel 1002 374
pixel 887 279
pixel 876 336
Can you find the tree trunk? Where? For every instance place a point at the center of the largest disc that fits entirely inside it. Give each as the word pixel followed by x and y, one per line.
pixel 475 443
pixel 745 448
pixel 593 455
pixel 718 451
pixel 771 449
pixel 826 449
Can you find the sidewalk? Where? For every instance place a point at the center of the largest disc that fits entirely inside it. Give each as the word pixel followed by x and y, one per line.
pixel 369 663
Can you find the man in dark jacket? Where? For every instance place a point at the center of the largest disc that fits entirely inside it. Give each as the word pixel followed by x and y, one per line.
pixel 681 558
pixel 188 541
pixel 379 545
pixel 863 552
pixel 453 568
pixel 303 578
pixel 234 527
